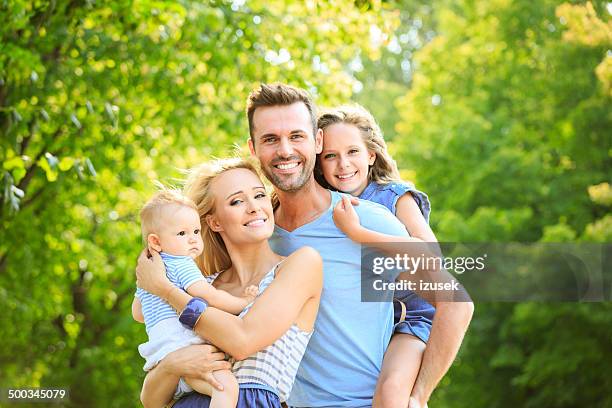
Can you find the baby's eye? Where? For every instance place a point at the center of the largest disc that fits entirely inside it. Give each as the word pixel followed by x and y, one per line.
pixel 329 156
pixel 182 233
pixel 196 231
pixel 353 151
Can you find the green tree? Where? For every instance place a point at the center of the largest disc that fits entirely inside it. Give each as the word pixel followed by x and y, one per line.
pixel 506 125
pixel 97 99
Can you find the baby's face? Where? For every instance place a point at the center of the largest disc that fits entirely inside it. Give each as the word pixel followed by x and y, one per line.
pixel 180 232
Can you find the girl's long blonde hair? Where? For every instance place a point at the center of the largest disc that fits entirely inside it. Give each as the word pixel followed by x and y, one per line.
pixel 384 170
pixel 215 257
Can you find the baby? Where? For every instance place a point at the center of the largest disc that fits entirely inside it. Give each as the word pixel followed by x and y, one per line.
pixel 171 225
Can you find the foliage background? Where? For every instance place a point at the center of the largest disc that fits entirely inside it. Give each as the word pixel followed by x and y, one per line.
pixel 499 109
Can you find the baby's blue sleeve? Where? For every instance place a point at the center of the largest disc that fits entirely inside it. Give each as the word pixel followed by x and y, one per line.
pixel 187 273
pixel 139 292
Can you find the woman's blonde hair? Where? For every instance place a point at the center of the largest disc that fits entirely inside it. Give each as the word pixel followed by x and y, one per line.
pixel 215 257
pixel 384 170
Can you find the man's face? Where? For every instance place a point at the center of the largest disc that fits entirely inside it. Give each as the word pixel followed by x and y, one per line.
pixel 285 146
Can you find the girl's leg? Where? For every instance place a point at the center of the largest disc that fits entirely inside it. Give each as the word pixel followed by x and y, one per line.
pixel 228 398
pixel 399 371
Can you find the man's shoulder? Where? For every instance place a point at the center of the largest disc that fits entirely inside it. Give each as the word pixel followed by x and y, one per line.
pixel 371 207
pixel 378 218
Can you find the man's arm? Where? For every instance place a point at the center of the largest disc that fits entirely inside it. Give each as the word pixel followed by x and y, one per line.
pixel 449 326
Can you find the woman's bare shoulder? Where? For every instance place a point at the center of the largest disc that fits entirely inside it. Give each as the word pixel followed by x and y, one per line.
pixel 306 259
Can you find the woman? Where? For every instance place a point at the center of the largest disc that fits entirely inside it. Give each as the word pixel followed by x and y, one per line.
pixel 237 220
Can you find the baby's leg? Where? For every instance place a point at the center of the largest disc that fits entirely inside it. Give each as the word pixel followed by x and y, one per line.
pixel 228 398
pixel 399 371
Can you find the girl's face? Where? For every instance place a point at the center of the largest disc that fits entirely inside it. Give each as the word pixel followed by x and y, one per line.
pixel 243 210
pixel 345 158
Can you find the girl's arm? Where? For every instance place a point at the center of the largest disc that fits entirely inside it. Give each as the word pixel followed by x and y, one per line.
pixel 294 288
pixel 347 220
pixel 137 310
pixel 219 299
pixel 409 213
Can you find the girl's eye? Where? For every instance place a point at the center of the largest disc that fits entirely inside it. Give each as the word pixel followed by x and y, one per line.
pixel 329 156
pixel 196 231
pixel 260 195
pixel 182 233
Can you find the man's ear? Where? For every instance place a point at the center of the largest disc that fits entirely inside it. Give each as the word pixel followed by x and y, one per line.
pixel 251 146
pixel 154 242
pixel 212 222
pixel 319 141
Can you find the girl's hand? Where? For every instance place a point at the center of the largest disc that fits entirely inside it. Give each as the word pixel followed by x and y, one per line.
pixel 151 274
pixel 346 218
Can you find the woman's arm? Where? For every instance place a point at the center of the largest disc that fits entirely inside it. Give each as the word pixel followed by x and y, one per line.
pixel 298 281
pixel 294 286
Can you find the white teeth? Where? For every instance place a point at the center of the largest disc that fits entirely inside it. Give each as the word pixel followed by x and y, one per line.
pixel 255 222
pixel 346 176
pixel 287 166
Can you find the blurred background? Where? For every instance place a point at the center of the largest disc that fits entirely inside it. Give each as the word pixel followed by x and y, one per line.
pixel 500 110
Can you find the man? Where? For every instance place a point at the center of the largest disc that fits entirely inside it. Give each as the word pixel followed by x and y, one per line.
pixel 344 356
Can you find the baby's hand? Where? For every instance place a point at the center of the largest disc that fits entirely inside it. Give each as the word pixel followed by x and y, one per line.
pixel 251 292
pixel 346 217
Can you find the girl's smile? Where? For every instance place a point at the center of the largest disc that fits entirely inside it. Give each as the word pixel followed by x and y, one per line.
pixel 345 160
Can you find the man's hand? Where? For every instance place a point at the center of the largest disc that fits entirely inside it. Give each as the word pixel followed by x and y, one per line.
pixel 346 217
pixel 151 274
pixel 197 361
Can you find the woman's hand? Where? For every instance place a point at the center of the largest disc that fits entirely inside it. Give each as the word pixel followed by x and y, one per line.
pixel 346 218
pixel 197 361
pixel 192 361
pixel 151 274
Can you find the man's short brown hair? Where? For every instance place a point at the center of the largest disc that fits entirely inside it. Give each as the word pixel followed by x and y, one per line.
pixel 279 95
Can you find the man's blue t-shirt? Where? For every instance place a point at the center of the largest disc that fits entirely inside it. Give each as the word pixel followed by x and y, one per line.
pixel 344 357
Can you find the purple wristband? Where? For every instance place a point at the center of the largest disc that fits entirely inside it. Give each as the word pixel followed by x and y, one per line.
pixel 192 312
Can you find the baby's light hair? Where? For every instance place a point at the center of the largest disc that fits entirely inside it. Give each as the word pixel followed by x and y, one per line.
pixel 152 212
pixel 384 170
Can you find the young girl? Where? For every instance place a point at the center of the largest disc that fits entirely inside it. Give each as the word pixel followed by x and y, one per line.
pixel 355 160
pixel 171 225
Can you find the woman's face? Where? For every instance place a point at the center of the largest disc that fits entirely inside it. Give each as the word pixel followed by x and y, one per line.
pixel 243 210
pixel 345 158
